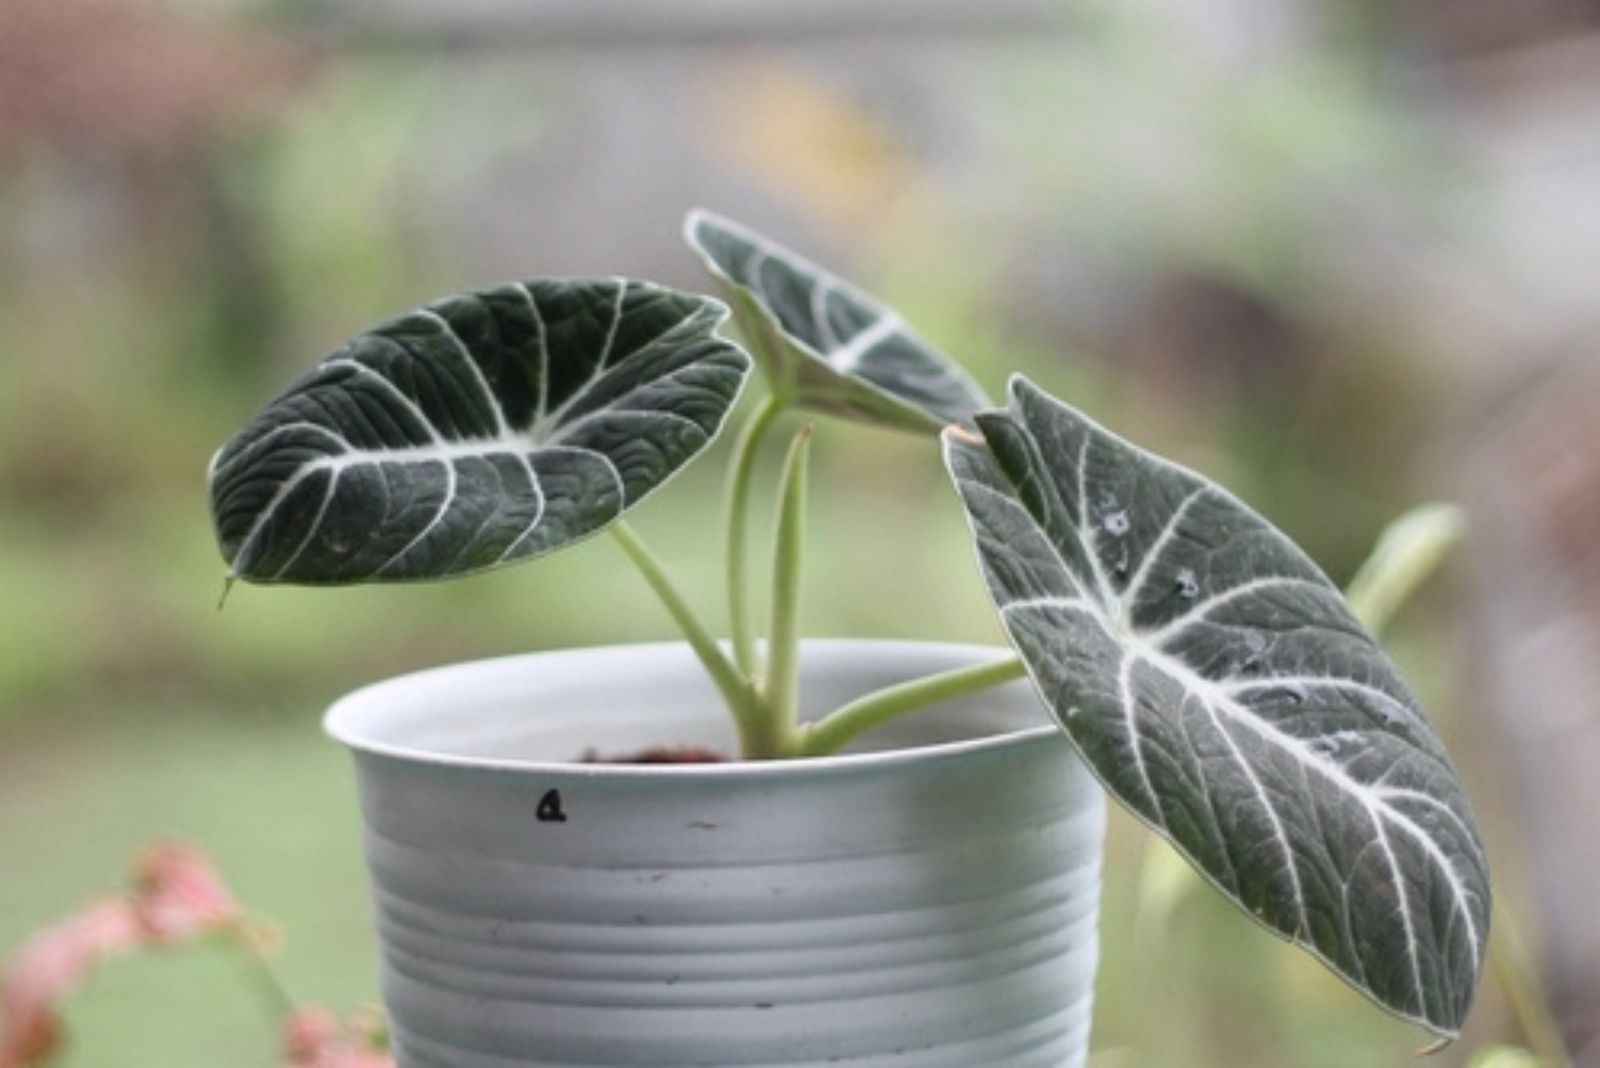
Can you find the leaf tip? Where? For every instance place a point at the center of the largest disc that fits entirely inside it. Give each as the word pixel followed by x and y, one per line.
pixel 692 220
pixel 227 587
pixel 1019 385
pixel 695 222
pixel 720 313
pixel 1438 1044
pixel 691 225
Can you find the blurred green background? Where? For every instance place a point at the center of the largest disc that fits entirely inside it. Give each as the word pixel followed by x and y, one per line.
pixel 1333 254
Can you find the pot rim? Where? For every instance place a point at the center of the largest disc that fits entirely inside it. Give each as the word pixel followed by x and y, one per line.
pixel 344 718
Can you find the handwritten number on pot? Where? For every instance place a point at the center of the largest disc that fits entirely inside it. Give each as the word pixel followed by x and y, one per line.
pixel 550 810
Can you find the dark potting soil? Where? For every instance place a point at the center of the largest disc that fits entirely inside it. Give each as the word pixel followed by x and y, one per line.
pixel 660 754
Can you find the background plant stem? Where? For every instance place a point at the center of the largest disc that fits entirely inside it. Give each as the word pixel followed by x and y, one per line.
pixel 1408 551
pixel 1508 960
pixel 263 975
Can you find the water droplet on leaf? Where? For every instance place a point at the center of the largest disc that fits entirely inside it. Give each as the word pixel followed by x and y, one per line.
pixel 1188 585
pixel 1333 744
pixel 1116 523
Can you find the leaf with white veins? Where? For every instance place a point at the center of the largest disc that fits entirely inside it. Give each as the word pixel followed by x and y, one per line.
pixel 479 430
pixel 1220 687
pixel 824 343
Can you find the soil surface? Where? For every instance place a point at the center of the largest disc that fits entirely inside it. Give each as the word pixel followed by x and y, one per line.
pixel 660 754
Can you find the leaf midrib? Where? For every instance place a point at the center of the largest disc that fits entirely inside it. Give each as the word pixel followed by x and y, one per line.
pixel 445 452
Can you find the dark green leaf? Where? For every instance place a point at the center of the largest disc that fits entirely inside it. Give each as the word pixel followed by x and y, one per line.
pixel 479 430
pixel 825 344
pixel 1220 687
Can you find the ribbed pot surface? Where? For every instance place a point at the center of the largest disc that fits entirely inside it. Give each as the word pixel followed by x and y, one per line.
pixel 930 903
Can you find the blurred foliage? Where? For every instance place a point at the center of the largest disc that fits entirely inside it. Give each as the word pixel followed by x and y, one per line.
pixel 141 321
pixel 1505 1057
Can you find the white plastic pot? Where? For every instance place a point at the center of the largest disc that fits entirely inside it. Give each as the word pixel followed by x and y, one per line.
pixel 929 903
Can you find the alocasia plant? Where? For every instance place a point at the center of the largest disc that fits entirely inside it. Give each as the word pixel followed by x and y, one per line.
pixel 1205 668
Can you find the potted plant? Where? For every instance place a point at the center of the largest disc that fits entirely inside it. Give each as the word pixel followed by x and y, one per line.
pixel 928 899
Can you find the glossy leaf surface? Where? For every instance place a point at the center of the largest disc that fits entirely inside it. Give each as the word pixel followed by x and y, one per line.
pixel 476 431
pixel 1220 687
pixel 825 344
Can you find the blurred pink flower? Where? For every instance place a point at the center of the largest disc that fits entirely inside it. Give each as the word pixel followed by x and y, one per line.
pixel 49 965
pixel 314 1038
pixel 308 1034
pixel 178 895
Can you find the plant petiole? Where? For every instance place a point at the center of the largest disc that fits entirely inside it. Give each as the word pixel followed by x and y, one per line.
pixel 838 728
pixel 781 684
pixel 735 688
pixel 735 523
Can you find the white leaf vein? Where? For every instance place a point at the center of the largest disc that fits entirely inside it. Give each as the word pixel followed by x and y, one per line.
pixel 1130 707
pixel 544 352
pixel 1365 794
pixel 1088 536
pixel 1291 866
pixel 1163 634
pixel 272 435
pixel 391 389
pixel 472 367
pixel 1152 555
pixel 1404 904
pixel 846 357
pixel 1237 687
pixel 532 525
pixel 446 502
pixel 314 526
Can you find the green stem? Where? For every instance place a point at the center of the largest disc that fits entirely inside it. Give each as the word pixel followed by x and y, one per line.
pixel 735 521
pixel 735 689
pixel 780 689
pixel 265 977
pixel 834 731
pixel 1524 993
pixel 1409 550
